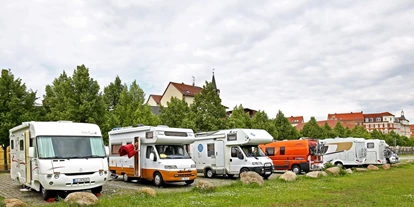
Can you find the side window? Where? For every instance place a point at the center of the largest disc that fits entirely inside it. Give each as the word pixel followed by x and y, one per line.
pixel 370 145
pixel 282 150
pixel 234 151
pixel 149 150
pixel 21 145
pixel 210 150
pixel 270 151
pixel 12 144
pixel 115 148
pixel 149 135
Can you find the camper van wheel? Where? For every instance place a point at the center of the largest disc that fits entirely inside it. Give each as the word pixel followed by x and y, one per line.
pixel 96 190
pixel 189 182
pixel 125 177
pixel 296 169
pixel 208 173
pixel 46 194
pixel 230 175
pixel 338 164
pixel 158 181
pixel 244 170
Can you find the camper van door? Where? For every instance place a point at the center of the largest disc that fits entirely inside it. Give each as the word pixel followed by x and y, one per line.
pixel 219 145
pixel 236 159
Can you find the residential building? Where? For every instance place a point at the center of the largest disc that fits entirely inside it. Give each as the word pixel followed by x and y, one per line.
pixel 331 123
pixel 250 112
pixel 295 120
pixel 354 118
pixel 412 130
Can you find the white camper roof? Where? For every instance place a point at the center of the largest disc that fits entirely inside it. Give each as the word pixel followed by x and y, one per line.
pixel 160 134
pixel 243 136
pixel 59 128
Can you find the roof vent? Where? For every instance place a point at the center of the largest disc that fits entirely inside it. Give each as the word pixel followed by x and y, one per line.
pixel 163 126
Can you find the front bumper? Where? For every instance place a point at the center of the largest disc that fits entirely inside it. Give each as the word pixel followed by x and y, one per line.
pixel 263 170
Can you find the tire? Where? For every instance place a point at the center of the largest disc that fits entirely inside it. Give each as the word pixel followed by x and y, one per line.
pixel 125 177
pixel 96 190
pixel 266 177
pixel 158 181
pixel 244 170
pixel 230 175
pixel 208 173
pixel 339 164
pixel 296 169
pixel 189 182
pixel 46 194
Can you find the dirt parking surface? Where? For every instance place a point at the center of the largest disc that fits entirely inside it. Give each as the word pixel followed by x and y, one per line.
pixel 10 189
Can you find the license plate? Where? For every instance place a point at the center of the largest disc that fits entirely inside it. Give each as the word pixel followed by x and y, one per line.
pixel 81 180
pixel 268 172
pixel 185 178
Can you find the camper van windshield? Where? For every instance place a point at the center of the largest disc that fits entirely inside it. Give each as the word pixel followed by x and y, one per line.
pixel 252 151
pixel 70 147
pixel 172 152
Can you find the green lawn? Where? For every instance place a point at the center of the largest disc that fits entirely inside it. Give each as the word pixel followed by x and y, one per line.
pixel 375 188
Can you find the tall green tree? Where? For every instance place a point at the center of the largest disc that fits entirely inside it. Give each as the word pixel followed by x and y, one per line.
pixel 75 98
pixel 16 106
pixel 176 113
pixel 207 111
pixel 312 129
pixel 340 130
pixel 238 119
pixel 262 121
pixel 360 131
pixel 284 128
pixel 112 93
pixel 328 132
pixel 375 134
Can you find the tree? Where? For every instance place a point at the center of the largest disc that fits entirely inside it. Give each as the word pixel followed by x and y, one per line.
pixel 175 114
pixel 262 121
pixel 284 128
pixel 340 130
pixel 312 129
pixel 328 132
pixel 16 106
pixel 75 98
pixel 112 93
pixel 238 119
pixel 360 131
pixel 375 134
pixel 207 111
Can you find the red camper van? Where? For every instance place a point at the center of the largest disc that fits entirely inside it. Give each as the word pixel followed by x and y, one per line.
pixel 296 155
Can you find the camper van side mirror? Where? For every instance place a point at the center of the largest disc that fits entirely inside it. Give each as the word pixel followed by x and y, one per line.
pixel 31 152
pixel 240 155
pixel 107 150
pixel 152 157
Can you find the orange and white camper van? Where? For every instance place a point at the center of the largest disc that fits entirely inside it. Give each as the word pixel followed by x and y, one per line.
pixel 296 155
pixel 159 154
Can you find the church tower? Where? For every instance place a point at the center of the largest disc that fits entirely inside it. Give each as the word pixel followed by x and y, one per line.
pixel 213 81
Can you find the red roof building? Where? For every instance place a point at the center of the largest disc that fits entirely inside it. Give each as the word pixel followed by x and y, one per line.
pixel 295 120
pixel 331 123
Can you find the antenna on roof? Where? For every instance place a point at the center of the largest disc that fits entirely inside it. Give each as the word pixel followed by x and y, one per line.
pixel 193 81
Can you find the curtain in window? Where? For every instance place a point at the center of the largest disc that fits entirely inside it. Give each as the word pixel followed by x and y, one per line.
pixel 45 147
pixel 97 147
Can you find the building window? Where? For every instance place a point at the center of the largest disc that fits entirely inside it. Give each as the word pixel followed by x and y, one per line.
pixel 371 119
pixel 378 119
pixel 385 118
pixel 270 151
pixel 210 149
pixel 366 120
pixel 376 125
pixel 282 150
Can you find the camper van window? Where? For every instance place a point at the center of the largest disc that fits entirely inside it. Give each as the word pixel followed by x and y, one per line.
pixel 252 151
pixel 370 145
pixel 176 134
pixel 115 148
pixel 149 135
pixel 21 145
pixel 12 144
pixel 63 147
pixel 270 151
pixel 234 151
pixel 172 152
pixel 282 150
pixel 231 137
pixel 210 150
pixel 149 150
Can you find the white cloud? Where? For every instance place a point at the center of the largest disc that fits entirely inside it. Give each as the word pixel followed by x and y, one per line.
pixel 301 57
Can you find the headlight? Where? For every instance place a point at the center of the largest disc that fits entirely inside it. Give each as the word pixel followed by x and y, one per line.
pixel 170 166
pixel 48 176
pixel 256 163
pixel 193 166
pixel 57 174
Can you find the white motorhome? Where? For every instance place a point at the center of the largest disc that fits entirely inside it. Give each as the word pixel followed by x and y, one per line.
pixel 161 154
pixel 375 151
pixel 231 152
pixel 57 157
pixel 344 151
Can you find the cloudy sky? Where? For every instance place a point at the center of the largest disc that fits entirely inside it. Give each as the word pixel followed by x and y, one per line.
pixel 305 58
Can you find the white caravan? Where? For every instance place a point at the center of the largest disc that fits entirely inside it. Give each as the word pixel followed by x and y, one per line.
pixel 375 151
pixel 58 157
pixel 344 151
pixel 161 154
pixel 231 152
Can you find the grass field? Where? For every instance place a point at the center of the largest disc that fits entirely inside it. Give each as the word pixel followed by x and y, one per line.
pixel 374 188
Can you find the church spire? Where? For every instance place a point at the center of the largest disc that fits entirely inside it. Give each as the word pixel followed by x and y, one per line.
pixel 213 81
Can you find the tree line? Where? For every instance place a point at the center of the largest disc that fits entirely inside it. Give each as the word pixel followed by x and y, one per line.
pixel 79 98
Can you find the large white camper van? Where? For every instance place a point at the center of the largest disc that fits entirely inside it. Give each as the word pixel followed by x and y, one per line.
pixel 161 154
pixel 231 152
pixel 56 157
pixel 375 151
pixel 344 151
